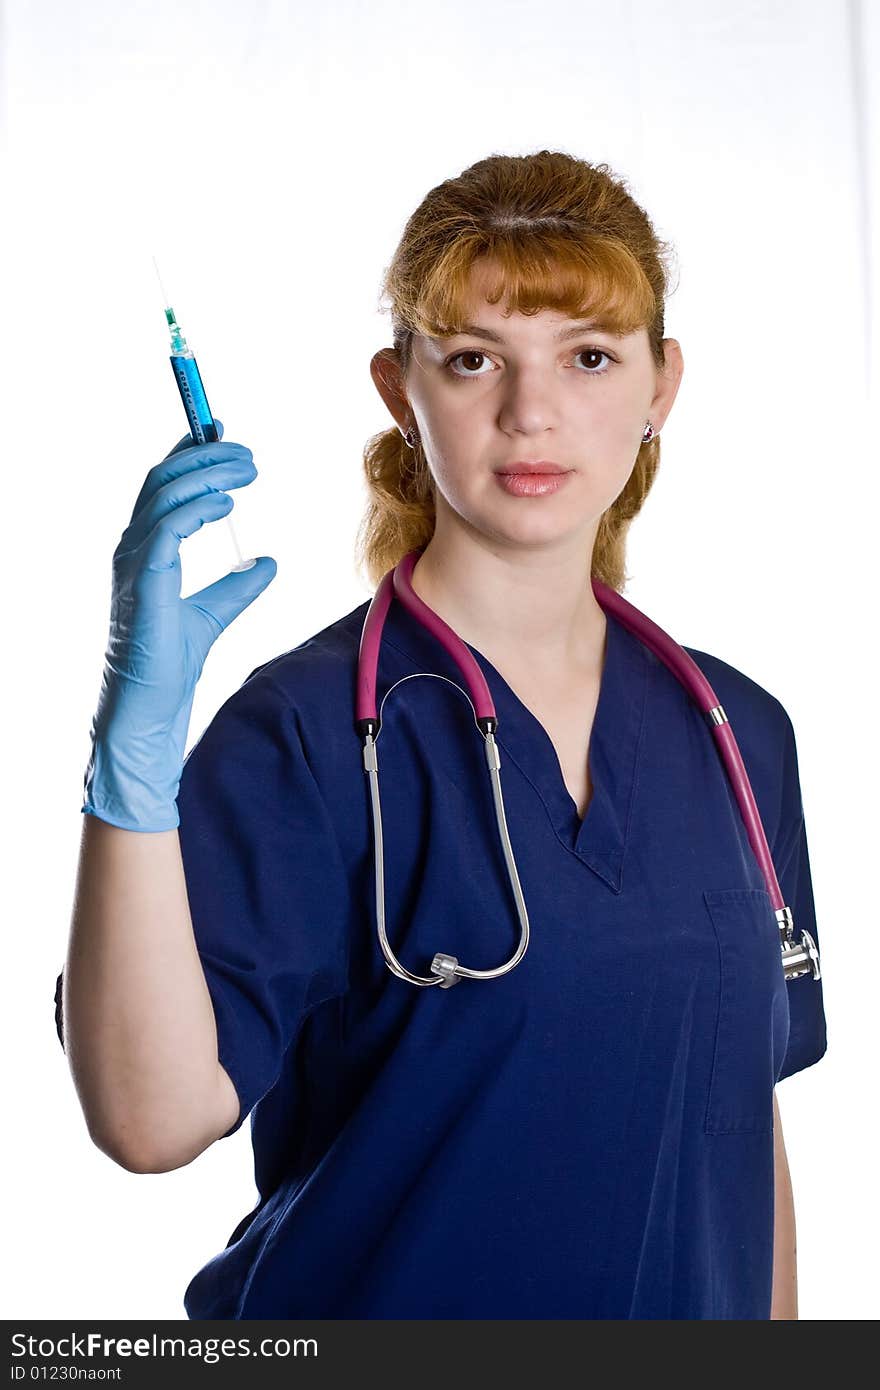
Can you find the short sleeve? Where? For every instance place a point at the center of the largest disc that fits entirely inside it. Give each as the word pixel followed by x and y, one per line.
pixel 267 887
pixel 807 1032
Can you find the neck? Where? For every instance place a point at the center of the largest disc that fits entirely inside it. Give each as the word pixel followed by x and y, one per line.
pixel 535 611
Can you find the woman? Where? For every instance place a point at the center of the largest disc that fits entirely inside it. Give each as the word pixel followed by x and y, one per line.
pixel 593 1134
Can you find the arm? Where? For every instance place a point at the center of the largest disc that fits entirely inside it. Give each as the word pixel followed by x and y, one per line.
pixel 784 1301
pixel 139 1028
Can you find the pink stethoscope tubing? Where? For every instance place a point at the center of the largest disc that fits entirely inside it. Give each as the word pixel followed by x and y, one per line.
pixel 798 957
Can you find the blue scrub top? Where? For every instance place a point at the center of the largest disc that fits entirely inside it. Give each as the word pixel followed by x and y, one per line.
pixel 587 1136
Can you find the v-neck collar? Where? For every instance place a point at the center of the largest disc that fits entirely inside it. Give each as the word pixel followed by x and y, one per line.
pixel 599 841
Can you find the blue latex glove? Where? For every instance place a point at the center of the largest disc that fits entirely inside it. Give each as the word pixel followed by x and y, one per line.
pixel 158 640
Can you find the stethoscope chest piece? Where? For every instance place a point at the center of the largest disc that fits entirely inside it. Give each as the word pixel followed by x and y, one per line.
pixel 798 958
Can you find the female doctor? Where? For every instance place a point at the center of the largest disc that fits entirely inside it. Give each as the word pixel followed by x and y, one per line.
pixel 594 1132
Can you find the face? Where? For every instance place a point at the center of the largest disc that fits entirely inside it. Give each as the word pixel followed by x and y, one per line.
pixel 528 388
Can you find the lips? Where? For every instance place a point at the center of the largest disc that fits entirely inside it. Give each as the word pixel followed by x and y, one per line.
pixel 541 467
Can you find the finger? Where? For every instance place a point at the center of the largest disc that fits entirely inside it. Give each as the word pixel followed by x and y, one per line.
pixel 227 597
pixel 162 546
pixel 235 468
pixel 190 459
pixel 161 472
pixel 187 442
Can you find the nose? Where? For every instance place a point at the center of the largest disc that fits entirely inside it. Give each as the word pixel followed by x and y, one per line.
pixel 528 404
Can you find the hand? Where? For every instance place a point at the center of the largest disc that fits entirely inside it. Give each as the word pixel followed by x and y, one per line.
pixel 159 641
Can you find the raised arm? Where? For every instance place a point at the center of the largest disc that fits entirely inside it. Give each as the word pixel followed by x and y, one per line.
pixel 138 1026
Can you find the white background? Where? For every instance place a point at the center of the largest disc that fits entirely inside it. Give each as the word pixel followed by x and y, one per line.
pixel 268 156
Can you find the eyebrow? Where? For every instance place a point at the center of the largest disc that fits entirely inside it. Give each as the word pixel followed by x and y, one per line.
pixel 475 330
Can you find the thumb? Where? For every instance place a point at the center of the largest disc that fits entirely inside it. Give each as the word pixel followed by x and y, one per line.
pixel 227 597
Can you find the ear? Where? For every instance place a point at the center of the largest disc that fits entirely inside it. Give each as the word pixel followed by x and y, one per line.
pixel 668 382
pixel 388 380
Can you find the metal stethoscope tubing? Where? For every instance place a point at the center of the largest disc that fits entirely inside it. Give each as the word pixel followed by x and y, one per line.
pixel 798 957
pixel 447 968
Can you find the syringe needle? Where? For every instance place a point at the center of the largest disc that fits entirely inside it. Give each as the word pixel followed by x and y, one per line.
pixel 165 300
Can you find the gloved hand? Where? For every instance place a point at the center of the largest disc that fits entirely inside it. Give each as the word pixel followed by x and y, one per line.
pixel 158 640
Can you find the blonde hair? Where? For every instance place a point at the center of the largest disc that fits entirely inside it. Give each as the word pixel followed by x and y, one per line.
pixel 564 234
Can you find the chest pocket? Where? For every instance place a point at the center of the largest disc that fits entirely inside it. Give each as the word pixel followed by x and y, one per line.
pixel 753 1017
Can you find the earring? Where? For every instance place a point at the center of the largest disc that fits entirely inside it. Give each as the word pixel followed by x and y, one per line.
pixel 410 437
pixel 648 433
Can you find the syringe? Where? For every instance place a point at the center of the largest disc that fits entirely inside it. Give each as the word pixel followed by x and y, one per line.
pixel 195 402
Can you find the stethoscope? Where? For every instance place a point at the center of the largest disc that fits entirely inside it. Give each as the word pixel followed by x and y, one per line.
pixel 798 958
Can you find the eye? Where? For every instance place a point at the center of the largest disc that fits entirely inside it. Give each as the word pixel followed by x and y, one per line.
pixel 595 352
pixel 470 352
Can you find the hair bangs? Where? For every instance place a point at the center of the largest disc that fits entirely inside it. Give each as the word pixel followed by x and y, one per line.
pixel 594 278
